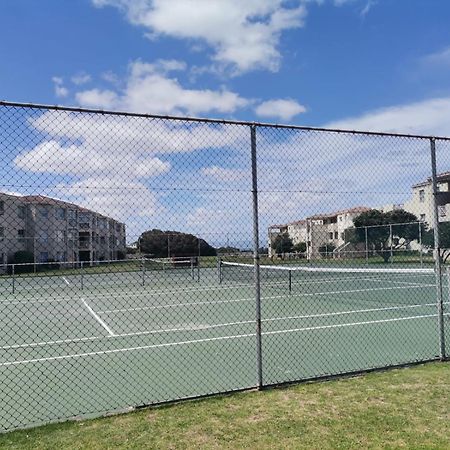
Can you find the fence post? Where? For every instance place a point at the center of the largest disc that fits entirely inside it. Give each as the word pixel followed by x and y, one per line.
pixel 256 257
pixel 420 245
pixel 13 279
pixel 367 247
pixel 82 275
pixel 437 251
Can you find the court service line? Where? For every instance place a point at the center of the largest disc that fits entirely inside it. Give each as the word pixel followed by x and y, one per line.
pixel 96 317
pixel 174 344
pixel 220 325
pixel 66 281
pixel 250 299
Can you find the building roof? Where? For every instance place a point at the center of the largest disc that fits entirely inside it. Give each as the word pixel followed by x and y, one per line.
pixel 356 209
pixel 44 200
pixel 297 222
pixel 444 176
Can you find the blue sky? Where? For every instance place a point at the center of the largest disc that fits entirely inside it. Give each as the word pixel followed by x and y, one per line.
pixel 361 64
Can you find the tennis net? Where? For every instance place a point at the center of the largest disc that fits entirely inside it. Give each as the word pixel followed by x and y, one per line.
pixel 287 276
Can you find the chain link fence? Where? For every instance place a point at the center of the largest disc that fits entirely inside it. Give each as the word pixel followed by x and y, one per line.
pixel 147 259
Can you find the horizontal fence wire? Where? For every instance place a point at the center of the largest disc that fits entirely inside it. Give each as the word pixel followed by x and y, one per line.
pixel 146 259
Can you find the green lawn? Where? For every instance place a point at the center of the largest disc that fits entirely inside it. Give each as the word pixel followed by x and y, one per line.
pixel 404 408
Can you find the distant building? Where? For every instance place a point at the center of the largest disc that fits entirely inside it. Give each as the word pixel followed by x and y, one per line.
pixel 55 230
pixel 421 202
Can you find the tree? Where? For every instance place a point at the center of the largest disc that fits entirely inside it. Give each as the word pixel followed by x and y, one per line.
pixel 282 243
pixel 375 226
pixel 300 247
pixel 173 243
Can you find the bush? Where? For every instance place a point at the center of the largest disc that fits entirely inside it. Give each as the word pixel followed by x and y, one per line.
pixel 22 257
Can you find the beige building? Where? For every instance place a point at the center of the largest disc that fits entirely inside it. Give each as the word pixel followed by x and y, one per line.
pixel 54 230
pixel 421 202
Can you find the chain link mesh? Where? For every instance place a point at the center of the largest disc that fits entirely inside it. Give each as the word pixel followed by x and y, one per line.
pixel 129 258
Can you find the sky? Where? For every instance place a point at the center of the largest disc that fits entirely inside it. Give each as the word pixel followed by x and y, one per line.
pixel 380 65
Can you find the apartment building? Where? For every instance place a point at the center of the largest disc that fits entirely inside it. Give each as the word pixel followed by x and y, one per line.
pixel 421 202
pixel 318 230
pixel 55 230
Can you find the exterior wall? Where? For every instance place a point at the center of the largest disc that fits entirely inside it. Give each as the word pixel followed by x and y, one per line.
pixel 298 232
pixel 57 230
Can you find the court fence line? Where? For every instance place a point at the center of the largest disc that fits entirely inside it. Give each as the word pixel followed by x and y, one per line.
pixel 117 231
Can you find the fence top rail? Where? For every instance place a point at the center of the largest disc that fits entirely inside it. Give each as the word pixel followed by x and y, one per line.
pixel 218 121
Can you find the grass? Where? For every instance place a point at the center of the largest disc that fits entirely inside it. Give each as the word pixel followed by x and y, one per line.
pixel 403 408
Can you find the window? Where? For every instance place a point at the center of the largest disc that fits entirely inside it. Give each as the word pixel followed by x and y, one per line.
pixel 21 212
pixel 2 233
pixel 331 235
pixel 422 217
pixel 43 211
pixel 2 206
pixel 43 257
pixel 61 214
pixel 21 235
pixel 343 236
pixel 336 235
pixel 442 211
pixel 61 256
pixel 422 196
pixel 43 236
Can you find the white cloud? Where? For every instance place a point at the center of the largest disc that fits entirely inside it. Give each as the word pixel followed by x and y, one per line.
pixel 149 89
pixel 441 57
pixel 60 90
pixel 81 78
pixel 95 98
pixel 368 6
pixel 284 109
pixel 430 116
pixel 243 34
pixel 223 174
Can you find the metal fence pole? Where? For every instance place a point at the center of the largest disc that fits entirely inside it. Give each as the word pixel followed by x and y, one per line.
pixel 13 279
pixel 420 245
pixel 143 271
pixel 256 258
pixel 391 237
pixel 82 275
pixel 367 248
pixel 437 251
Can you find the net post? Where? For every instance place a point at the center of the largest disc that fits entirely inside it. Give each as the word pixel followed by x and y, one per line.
pixel 143 270
pixel 198 269
pixel 13 279
pixel 437 251
pixel 256 257
pixel 82 275
pixel 192 268
pixel 290 280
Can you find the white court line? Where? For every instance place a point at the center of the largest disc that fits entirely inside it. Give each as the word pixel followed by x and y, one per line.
pixel 252 299
pixel 196 341
pixel 97 318
pixel 203 327
pixel 66 281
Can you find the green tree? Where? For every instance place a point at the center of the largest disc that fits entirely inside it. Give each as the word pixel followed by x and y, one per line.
pixel 22 257
pixel 162 244
pixel 374 225
pixel 300 247
pixel 282 243
pixel 444 239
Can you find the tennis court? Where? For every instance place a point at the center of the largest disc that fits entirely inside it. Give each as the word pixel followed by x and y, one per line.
pixel 82 344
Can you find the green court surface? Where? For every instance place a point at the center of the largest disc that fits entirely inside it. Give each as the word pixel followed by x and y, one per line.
pixel 83 345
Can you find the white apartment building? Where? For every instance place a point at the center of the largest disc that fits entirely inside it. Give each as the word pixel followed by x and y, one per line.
pixel 54 230
pixel 421 202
